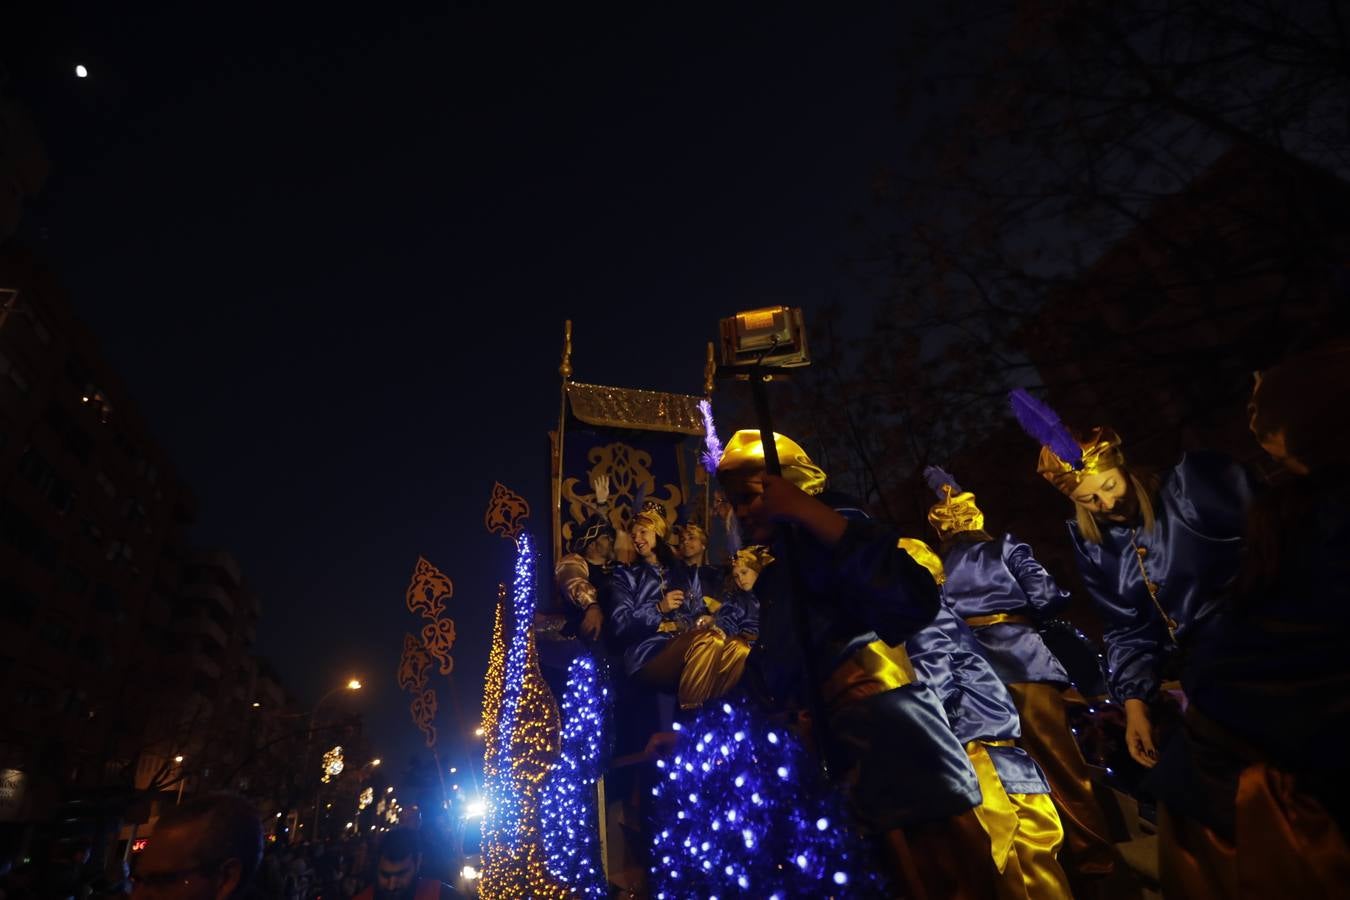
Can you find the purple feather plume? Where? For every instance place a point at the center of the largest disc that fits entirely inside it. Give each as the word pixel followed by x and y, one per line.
pixel 936 478
pixel 1041 423
pixel 712 445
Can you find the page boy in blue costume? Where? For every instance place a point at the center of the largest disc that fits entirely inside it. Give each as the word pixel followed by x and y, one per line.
pixel 1016 810
pixel 1154 553
pixel 909 779
pixel 1000 590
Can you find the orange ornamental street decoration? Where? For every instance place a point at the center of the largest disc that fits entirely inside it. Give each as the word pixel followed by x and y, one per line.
pixel 506 512
pixel 427 593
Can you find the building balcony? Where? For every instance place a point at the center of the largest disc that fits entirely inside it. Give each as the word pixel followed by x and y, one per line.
pixel 204 665
pixel 210 593
pixel 222 562
pixel 204 626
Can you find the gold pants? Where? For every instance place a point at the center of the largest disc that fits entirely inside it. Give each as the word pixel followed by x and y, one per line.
pixel 1046 736
pixel 1024 835
pixel 701 664
pixel 1286 846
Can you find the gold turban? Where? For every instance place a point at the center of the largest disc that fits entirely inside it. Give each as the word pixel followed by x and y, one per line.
pixel 1101 452
pixel 753 558
pixel 955 514
pixel 922 554
pixel 654 517
pixel 745 454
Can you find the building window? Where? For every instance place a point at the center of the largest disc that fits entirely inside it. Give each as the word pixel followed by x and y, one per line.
pixel 17 606
pixel 54 633
pixel 72 580
pixel 11 371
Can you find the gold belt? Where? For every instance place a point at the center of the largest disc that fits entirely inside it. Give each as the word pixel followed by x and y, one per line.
pixel 999 619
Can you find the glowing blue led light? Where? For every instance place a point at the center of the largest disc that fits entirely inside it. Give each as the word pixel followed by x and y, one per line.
pixel 840 878
pixel 743 882
pixel 729 870
pixel 782 770
pixel 726 708
pixel 773 738
pixel 676 726
pixel 740 781
pixel 739 736
pixel 802 861
pixel 822 824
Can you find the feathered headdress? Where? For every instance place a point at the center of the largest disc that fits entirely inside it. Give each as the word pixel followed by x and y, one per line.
pixel 1042 423
pixel 1065 459
pixel 956 512
pixel 937 479
pixel 712 445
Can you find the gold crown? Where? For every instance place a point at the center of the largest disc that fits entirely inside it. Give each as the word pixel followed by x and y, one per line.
pixel 955 514
pixel 745 454
pixel 694 528
pixel 1101 452
pixel 754 558
pixel 653 515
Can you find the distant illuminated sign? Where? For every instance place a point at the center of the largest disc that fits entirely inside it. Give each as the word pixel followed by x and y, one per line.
pixel 13 792
pixel 138 845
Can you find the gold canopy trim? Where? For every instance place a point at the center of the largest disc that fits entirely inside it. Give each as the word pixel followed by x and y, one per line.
pixel 611 407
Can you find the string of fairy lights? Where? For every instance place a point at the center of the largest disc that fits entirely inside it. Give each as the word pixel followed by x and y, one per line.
pixel 521 751
pixel 740 810
pixel 568 814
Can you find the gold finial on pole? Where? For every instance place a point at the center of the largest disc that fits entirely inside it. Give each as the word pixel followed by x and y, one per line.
pixel 709 370
pixel 565 370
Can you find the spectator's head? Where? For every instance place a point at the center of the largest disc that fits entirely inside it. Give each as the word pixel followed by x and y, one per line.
pixel 1296 409
pixel 399 865
pixel 206 849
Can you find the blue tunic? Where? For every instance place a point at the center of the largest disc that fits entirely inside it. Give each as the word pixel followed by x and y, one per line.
pixel 636 619
pixel 989 577
pixel 738 614
pixel 1191 554
pixel 947 657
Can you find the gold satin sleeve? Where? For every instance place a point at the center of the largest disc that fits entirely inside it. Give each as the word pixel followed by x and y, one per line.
pixel 873 669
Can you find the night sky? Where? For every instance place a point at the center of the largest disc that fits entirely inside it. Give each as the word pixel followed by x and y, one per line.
pixel 331 254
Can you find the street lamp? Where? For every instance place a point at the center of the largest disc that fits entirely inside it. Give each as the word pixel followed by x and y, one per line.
pixel 354 684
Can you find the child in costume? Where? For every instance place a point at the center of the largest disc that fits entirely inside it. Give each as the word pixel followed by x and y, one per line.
pixel 1001 592
pixel 1016 810
pixel 1154 552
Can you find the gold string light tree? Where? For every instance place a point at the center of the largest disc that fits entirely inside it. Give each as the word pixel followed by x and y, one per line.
pixel 521 727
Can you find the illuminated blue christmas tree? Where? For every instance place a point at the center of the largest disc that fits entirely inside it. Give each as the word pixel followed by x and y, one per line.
pixel 740 810
pixel 568 814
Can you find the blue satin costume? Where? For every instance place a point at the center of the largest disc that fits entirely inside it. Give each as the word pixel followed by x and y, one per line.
pixel 739 613
pixel 947 656
pixel 636 621
pixel 985 578
pixel 1191 554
